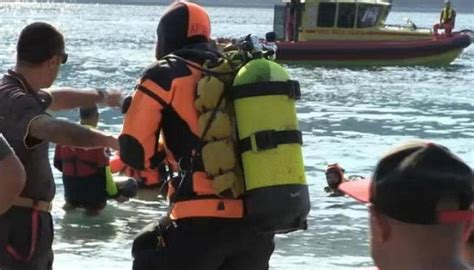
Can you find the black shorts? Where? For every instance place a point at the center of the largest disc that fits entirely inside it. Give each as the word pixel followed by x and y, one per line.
pixel 16 232
pixel 207 247
pixel 85 192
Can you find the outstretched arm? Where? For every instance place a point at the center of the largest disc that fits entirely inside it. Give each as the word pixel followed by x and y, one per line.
pixel 70 98
pixel 67 133
pixel 139 138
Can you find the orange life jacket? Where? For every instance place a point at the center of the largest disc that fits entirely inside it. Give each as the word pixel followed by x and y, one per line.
pixel 80 162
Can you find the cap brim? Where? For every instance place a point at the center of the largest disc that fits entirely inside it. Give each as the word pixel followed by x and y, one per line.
pixel 455 216
pixel 359 190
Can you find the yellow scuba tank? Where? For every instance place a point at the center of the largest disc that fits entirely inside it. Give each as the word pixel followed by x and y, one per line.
pixel 251 142
pixel 276 193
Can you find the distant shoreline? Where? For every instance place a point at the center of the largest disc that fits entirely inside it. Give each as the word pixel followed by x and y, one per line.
pixel 140 3
pixel 462 6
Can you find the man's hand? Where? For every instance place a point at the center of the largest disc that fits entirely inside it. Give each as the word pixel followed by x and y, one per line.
pixel 113 143
pixel 70 98
pixel 113 98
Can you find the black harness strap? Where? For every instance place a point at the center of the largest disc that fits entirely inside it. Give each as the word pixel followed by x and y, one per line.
pixel 289 88
pixel 150 93
pixel 270 139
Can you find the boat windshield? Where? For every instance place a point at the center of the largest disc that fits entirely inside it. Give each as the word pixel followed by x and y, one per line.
pixel 326 14
pixel 348 15
pixel 368 15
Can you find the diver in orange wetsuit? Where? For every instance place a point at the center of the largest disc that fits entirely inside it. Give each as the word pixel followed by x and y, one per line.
pixel 202 231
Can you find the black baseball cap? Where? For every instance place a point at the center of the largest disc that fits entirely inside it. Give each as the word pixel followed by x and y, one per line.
pixel 418 183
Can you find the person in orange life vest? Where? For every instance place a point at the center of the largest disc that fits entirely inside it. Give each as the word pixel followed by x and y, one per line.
pixel 149 179
pixel 334 177
pixel 419 203
pixel 290 24
pixel 447 19
pixel 202 230
pixel 145 178
pixel 291 20
pixel 87 179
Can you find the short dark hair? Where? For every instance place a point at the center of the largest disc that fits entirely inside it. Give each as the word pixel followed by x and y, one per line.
pixel 39 42
pixel 88 112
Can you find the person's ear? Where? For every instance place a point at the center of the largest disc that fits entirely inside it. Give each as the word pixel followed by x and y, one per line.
pixel 467 230
pixel 157 52
pixel 381 227
pixel 53 62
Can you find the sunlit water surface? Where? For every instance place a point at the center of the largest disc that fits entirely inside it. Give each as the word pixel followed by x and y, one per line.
pixel 348 116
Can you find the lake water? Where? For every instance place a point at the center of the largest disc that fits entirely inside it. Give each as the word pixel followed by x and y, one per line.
pixel 348 116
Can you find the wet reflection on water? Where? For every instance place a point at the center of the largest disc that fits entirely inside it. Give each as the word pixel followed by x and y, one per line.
pixel 349 116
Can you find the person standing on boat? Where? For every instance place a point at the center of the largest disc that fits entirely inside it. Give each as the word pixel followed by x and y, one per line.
pixel 446 20
pixel 26 229
pixel 291 21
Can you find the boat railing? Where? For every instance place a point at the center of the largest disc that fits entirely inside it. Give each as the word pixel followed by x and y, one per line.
pixel 409 24
pixel 345 1
pixel 373 1
pixel 404 27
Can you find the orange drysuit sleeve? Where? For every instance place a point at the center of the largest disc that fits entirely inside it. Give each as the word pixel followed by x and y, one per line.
pixel 140 134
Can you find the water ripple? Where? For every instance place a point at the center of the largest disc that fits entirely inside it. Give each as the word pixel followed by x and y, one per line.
pixel 347 115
